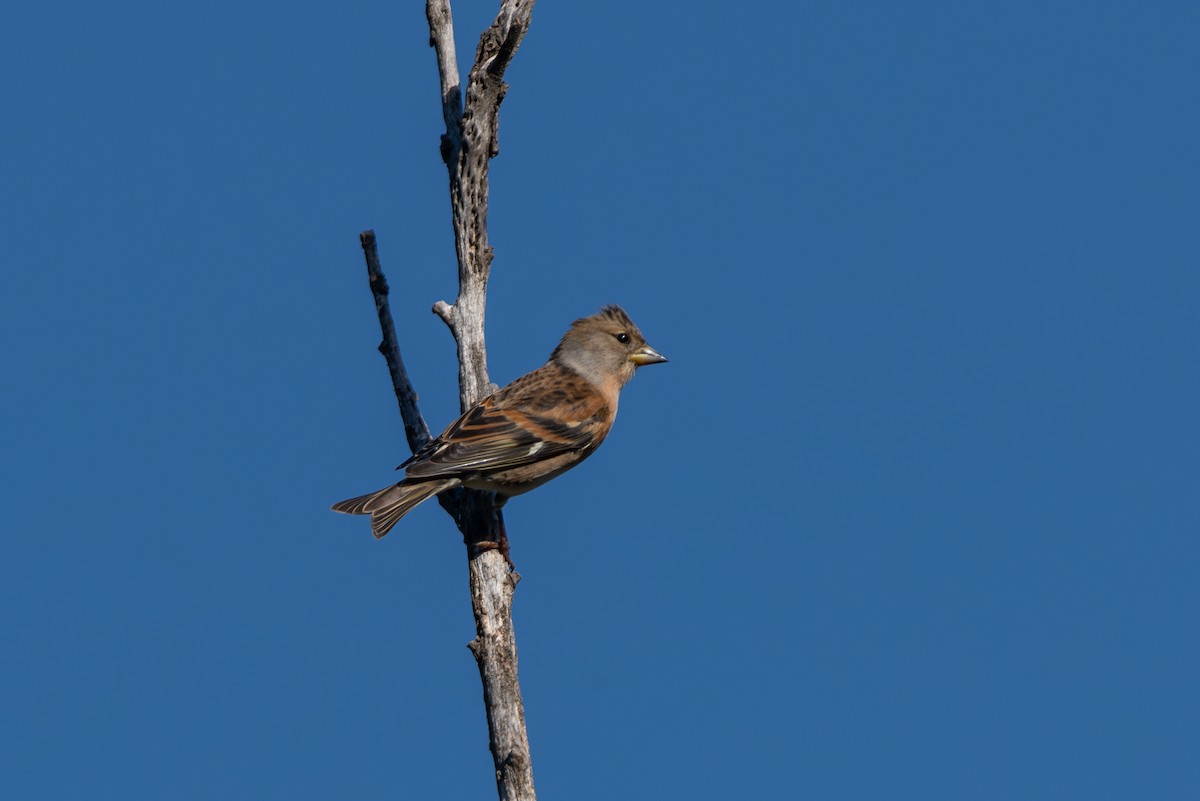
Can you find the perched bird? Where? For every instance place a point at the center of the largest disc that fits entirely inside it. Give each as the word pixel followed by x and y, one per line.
pixel 532 430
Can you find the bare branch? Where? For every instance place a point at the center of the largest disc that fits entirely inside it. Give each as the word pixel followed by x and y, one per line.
pixel 470 141
pixel 504 36
pixel 495 651
pixel 441 39
pixel 415 429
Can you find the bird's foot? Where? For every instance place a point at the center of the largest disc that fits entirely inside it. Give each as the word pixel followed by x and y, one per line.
pixel 501 546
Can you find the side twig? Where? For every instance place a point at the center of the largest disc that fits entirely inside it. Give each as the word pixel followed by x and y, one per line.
pixel 415 429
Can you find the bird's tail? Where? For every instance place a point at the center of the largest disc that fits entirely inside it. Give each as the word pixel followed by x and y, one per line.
pixel 389 504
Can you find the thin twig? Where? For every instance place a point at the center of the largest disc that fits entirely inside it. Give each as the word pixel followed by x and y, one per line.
pixel 415 429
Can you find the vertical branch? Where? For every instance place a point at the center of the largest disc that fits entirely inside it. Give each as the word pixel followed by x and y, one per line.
pixel 441 39
pixel 466 147
pixel 469 142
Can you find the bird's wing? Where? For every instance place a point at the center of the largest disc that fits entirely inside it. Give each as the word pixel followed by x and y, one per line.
pixel 489 438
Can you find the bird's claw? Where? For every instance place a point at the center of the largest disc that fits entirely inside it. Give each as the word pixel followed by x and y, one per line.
pixel 501 546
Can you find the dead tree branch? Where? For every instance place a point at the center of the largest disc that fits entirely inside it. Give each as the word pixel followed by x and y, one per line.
pixel 415 429
pixel 468 144
pixel 470 141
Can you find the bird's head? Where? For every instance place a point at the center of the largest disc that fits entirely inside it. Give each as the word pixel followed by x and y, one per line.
pixel 606 348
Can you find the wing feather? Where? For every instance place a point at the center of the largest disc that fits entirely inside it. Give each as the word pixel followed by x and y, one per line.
pixel 488 438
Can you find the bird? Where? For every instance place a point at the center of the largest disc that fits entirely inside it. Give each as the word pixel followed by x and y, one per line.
pixel 528 432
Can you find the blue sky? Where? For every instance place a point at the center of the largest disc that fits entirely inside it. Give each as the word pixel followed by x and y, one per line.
pixel 911 514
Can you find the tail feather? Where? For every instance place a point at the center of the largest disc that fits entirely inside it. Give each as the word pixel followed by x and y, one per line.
pixel 389 504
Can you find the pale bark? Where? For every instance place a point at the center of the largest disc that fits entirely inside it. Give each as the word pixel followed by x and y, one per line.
pixel 469 143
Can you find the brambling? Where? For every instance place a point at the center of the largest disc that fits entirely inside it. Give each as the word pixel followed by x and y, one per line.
pixel 532 430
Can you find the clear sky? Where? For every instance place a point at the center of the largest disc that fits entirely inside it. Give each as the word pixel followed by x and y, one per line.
pixel 911 514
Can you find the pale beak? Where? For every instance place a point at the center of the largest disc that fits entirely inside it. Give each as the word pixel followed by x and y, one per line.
pixel 647 355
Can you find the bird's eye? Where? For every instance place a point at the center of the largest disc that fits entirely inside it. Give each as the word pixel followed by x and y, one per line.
pixel 622 337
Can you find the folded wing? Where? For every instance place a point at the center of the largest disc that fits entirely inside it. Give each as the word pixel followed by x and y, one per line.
pixel 487 439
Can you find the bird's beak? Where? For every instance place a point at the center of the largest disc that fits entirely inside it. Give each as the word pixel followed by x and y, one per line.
pixel 647 355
